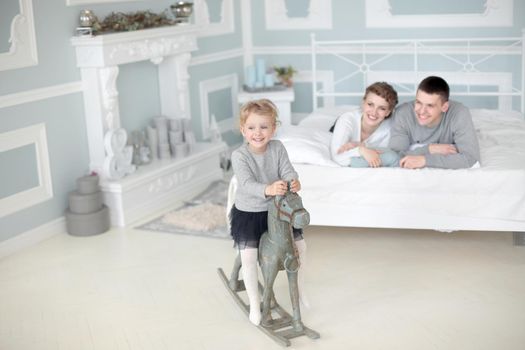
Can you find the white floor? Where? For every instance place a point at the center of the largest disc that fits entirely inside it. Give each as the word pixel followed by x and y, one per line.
pixel 369 289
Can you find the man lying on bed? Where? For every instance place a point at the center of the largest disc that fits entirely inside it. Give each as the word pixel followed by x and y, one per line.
pixel 433 131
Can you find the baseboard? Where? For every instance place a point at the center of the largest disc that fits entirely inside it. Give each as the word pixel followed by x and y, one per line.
pixel 32 237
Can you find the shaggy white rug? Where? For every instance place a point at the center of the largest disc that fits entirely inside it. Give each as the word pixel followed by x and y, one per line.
pixel 200 217
pixel 204 215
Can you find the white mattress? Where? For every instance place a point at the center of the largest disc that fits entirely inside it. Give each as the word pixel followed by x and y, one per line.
pixel 489 197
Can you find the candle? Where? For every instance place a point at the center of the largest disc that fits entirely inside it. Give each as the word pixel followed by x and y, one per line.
pixel 261 70
pixel 250 78
pixel 268 80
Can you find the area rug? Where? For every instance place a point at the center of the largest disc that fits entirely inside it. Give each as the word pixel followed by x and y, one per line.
pixel 204 215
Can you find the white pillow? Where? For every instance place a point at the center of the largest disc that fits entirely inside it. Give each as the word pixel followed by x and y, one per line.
pixel 324 118
pixel 318 122
pixel 306 146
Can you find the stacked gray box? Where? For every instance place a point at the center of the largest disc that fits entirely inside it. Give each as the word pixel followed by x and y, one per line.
pixel 87 215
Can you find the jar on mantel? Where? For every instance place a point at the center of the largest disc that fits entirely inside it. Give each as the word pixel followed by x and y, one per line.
pixel 87 18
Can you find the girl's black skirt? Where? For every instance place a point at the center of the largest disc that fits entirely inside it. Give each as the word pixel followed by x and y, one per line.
pixel 247 228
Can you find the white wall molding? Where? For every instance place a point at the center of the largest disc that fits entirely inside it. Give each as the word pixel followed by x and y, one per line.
pixel 397 48
pixel 319 16
pixel 32 237
pixel 35 134
pixel 247 32
pixel 39 94
pixel 84 2
pixel 22 51
pixel 202 19
pixel 498 13
pixel 208 86
pixel 281 50
pixel 216 57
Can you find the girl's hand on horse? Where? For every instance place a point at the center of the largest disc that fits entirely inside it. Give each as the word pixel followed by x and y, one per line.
pixel 278 188
pixel 295 185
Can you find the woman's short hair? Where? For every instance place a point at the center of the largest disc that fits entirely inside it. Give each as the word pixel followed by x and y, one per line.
pixel 385 91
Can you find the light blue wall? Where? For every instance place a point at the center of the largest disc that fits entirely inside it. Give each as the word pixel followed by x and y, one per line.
pixel 138 87
pixel 68 157
pixel 21 174
pixel 9 10
pixel 137 83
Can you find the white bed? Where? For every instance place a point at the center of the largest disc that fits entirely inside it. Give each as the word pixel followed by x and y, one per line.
pixel 491 197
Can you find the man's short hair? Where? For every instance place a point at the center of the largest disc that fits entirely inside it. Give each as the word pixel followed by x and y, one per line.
pixel 435 85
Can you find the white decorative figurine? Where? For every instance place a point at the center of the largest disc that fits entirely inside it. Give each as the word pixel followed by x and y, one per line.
pixel 119 156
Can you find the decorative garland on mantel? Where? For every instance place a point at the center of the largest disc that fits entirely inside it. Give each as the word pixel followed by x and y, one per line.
pixel 123 22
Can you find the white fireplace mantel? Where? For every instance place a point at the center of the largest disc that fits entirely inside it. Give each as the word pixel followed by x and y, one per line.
pixel 98 58
pixel 163 183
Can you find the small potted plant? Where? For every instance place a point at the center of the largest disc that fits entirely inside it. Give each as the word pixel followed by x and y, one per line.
pixel 285 74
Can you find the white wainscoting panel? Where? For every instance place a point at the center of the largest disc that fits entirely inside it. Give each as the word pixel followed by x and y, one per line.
pixel 498 13
pixel 202 18
pixel 22 51
pixel 35 134
pixel 319 16
pixel 216 84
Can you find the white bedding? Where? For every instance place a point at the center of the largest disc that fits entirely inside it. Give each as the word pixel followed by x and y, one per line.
pixel 491 197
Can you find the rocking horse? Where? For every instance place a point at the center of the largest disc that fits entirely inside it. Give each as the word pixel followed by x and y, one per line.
pixel 277 252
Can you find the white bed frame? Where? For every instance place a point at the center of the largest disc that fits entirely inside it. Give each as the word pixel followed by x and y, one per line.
pixel 368 61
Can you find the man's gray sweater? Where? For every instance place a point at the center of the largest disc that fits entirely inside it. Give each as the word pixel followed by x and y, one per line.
pixel 409 138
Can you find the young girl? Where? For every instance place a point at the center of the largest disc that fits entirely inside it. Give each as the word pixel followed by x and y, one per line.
pixel 361 137
pixel 262 169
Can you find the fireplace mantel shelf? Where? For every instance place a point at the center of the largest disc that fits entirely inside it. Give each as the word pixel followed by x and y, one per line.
pixel 126 47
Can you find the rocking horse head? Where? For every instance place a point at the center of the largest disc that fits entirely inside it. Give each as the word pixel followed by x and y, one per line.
pixel 289 208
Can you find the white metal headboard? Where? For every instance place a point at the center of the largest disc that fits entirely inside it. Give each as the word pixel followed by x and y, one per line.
pixel 468 60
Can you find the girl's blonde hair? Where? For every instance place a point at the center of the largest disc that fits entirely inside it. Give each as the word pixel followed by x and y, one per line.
pixel 262 106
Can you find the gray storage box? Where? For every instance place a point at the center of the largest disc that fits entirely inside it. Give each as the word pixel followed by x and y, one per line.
pixel 85 203
pixel 88 224
pixel 88 184
pixel 87 215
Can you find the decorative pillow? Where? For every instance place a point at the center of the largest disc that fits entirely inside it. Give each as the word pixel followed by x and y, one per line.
pixel 306 145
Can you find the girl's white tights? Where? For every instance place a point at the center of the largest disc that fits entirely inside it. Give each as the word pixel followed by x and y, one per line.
pixel 251 280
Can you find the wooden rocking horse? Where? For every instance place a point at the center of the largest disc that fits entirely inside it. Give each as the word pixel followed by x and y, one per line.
pixel 277 252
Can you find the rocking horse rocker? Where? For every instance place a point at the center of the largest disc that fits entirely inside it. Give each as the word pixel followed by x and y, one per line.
pixel 277 252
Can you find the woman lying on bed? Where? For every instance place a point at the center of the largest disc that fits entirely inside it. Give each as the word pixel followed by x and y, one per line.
pixel 361 136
